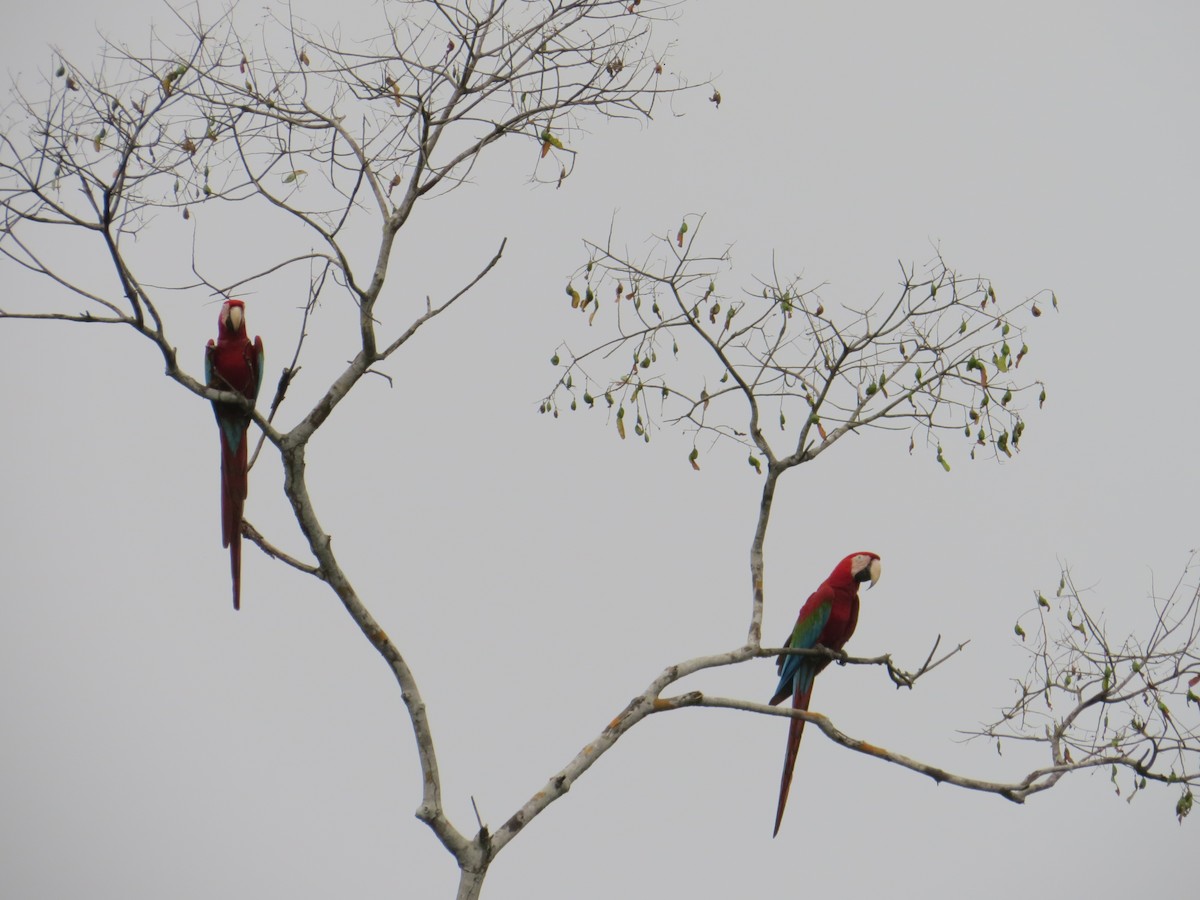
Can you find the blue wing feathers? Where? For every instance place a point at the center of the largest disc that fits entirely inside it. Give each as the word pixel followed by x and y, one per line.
pixel 796 673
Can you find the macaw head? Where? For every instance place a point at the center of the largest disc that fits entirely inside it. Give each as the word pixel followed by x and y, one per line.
pixel 858 567
pixel 232 320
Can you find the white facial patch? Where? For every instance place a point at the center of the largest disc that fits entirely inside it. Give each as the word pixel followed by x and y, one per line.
pixel 862 562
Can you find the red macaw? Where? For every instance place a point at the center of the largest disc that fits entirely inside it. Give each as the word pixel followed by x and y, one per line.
pixel 827 618
pixel 232 363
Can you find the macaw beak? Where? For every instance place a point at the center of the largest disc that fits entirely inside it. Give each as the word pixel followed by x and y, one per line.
pixel 235 318
pixel 875 570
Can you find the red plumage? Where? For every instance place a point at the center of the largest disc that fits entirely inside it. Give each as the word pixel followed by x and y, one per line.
pixel 828 618
pixel 232 363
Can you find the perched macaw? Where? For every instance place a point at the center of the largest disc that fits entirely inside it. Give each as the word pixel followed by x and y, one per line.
pixel 827 618
pixel 232 363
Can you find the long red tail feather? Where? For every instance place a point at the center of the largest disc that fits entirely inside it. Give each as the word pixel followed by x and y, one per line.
pixel 233 501
pixel 795 732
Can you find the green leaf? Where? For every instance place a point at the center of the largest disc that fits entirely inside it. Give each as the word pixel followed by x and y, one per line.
pixel 1184 806
pixel 941 459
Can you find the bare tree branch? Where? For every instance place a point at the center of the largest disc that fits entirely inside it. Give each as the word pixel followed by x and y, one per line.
pixel 1094 701
pixel 308 135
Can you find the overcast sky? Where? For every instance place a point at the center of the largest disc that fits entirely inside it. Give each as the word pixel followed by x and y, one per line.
pixel 538 573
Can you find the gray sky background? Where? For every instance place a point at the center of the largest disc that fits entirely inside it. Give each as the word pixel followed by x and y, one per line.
pixel 537 574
